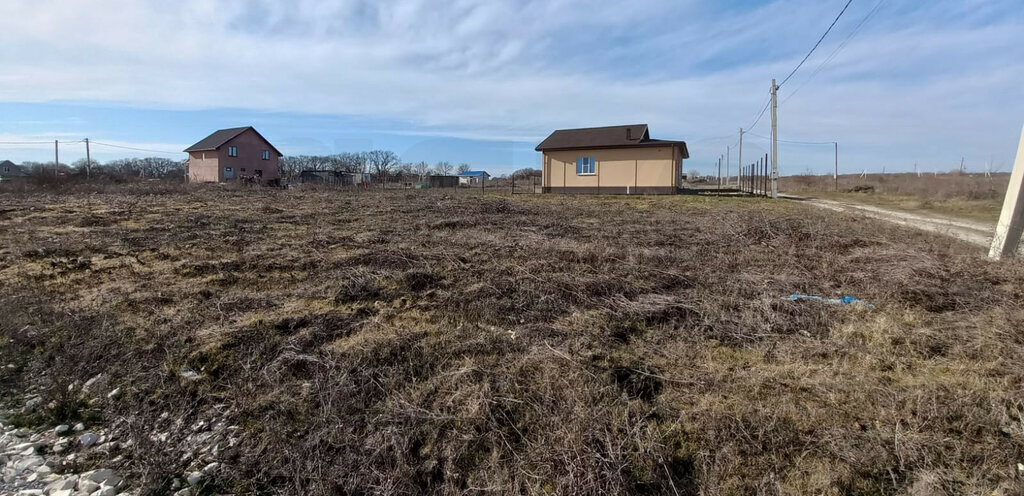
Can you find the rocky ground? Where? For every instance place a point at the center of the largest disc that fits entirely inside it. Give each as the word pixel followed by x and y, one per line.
pixel 66 460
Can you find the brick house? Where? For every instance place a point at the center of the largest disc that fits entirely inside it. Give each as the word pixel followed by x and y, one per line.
pixel 231 155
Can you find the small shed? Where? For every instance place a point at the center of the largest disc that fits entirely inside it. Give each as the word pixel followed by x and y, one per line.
pixel 473 177
pixel 334 178
pixel 443 181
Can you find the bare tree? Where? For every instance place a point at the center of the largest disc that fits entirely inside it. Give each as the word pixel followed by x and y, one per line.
pixel 463 167
pixel 381 162
pixel 351 162
pixel 443 168
pixel 421 169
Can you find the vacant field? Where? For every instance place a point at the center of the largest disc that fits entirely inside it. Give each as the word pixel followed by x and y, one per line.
pixel 969 196
pixel 414 342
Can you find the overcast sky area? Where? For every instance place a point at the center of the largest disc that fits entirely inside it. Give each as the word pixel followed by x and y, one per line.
pixel 896 82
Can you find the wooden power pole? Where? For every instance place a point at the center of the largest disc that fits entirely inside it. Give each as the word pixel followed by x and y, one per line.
pixel 775 140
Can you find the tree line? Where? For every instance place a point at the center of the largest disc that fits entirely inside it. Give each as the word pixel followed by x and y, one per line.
pixel 382 164
pixel 118 169
pixel 379 163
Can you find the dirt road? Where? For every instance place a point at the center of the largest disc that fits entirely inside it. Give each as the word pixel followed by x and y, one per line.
pixel 978 233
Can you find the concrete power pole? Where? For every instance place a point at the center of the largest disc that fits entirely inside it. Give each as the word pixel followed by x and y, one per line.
pixel 835 175
pixel 719 173
pixel 88 160
pixel 728 161
pixel 739 161
pixel 775 140
pixel 56 158
pixel 1006 241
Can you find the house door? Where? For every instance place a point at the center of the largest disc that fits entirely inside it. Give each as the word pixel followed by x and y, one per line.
pixel 229 173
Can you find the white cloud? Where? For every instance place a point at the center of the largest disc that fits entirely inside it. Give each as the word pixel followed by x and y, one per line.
pixel 933 80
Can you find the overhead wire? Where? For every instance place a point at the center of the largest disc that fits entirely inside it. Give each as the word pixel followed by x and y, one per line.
pixel 793 142
pixel 133 148
pixel 838 49
pixel 39 142
pixel 815 47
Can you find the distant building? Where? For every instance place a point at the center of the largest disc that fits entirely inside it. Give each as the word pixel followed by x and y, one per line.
pixel 336 178
pixel 231 155
pixel 473 177
pixel 10 171
pixel 611 160
pixel 438 181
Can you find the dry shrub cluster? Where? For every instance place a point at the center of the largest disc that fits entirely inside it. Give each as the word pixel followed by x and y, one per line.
pixel 414 342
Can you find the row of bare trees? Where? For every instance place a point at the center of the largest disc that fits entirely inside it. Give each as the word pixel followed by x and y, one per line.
pixel 117 170
pixel 382 164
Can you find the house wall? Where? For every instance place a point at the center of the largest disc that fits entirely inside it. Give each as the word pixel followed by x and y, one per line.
pixel 202 167
pixel 250 152
pixel 648 170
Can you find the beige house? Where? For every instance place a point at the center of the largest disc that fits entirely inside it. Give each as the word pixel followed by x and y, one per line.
pixel 231 155
pixel 611 160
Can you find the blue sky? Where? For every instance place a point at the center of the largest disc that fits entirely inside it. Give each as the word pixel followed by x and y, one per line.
pixel 924 82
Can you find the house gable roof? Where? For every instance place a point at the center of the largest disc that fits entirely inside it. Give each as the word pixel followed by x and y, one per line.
pixel 633 135
pixel 11 169
pixel 222 136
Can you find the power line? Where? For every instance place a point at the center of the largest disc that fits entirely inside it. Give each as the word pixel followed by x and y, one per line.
pixel 715 138
pixel 38 142
pixel 759 115
pixel 838 48
pixel 792 142
pixel 848 2
pixel 133 148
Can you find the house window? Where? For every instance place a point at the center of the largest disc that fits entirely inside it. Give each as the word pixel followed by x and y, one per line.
pixel 242 169
pixel 266 154
pixel 232 151
pixel 585 165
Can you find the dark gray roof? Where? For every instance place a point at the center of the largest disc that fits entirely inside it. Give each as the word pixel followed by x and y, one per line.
pixel 221 136
pixel 10 169
pixel 634 135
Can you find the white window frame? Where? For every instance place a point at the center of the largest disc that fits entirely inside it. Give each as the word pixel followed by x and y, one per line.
pixel 266 155
pixel 232 151
pixel 586 166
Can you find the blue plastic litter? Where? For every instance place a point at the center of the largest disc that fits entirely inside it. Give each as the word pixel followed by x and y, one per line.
pixel 846 300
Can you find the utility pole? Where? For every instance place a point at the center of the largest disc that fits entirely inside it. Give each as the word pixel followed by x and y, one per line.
pixel 836 175
pixel 719 173
pixel 88 160
pixel 56 158
pixel 961 165
pixel 728 160
pixel 739 160
pixel 775 140
pixel 1006 241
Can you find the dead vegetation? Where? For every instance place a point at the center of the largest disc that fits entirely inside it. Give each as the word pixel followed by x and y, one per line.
pixel 415 342
pixel 971 196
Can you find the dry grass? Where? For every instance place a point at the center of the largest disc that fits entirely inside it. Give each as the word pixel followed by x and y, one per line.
pixel 971 196
pixel 413 342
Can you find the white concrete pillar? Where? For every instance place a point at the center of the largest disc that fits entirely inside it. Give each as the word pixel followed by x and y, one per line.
pixel 1006 242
